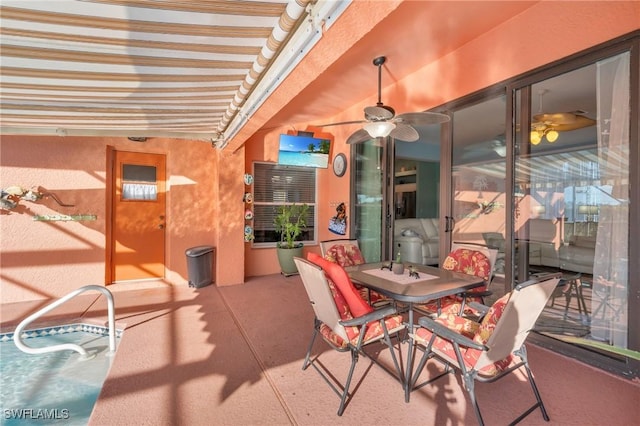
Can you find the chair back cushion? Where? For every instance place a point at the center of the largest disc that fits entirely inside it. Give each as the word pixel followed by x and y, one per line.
pixel 468 261
pixel 336 273
pixel 345 254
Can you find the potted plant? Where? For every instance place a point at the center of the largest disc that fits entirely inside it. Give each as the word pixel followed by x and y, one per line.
pixel 290 221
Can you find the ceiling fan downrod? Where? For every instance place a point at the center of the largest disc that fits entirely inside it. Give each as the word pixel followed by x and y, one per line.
pixel 379 61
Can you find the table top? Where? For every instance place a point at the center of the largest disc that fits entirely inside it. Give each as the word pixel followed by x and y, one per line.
pixel 433 283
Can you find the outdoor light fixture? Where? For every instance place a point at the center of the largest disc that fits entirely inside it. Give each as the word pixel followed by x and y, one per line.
pixel 379 129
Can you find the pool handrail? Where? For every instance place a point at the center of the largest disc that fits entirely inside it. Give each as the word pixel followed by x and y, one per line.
pixel 17 335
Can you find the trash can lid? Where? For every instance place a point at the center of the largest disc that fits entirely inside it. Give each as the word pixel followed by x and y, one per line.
pixel 198 251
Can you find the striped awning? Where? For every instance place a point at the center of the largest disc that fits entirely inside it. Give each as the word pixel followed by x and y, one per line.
pixel 137 68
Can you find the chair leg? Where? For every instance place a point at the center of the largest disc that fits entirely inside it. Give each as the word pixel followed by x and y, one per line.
pixel 307 358
pixel 522 353
pixel 469 385
pixel 389 343
pixel 347 384
pixel 532 382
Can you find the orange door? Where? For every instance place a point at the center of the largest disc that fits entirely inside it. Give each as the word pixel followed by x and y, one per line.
pixel 138 230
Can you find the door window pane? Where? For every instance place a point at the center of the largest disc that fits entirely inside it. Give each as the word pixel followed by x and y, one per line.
pixel 139 182
pixel 369 169
pixel 479 176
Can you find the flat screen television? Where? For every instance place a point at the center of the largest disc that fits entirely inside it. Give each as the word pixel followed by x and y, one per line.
pixel 303 150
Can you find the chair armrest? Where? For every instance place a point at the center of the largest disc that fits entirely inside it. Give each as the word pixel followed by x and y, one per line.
pixel 376 315
pixel 483 309
pixel 478 293
pixel 446 333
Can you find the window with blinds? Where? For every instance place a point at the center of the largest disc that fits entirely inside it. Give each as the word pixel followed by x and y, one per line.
pixel 276 185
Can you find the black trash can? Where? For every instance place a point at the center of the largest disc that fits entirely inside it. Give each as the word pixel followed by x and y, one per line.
pixel 201 265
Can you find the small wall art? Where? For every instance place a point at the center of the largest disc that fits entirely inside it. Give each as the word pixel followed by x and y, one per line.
pixel 338 223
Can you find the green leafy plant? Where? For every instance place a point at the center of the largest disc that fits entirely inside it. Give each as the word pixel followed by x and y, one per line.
pixel 290 222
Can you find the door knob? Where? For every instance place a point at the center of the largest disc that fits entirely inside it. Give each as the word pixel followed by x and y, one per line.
pixel 161 226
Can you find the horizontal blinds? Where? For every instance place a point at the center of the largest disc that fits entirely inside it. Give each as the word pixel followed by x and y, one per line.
pixel 275 185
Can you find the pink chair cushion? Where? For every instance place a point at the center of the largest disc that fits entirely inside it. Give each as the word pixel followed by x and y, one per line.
pixel 344 255
pixel 336 273
pixel 349 255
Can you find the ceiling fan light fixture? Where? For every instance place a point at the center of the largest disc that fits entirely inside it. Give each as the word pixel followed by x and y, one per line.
pixel 535 137
pixel 379 129
pixel 552 136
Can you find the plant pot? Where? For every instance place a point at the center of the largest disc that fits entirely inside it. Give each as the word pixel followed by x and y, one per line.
pixel 285 258
pixel 398 268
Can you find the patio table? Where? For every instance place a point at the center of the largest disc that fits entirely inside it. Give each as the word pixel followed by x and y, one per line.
pixel 432 283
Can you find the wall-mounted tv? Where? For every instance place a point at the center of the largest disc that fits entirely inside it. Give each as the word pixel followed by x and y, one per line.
pixel 304 150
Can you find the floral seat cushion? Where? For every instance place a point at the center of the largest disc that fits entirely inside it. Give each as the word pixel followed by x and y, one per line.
pixel 478 332
pixel 467 261
pixel 345 255
pixel 374 329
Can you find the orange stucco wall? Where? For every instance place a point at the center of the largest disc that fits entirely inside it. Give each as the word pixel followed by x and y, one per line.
pixel 46 259
pixel 509 50
pixel 39 259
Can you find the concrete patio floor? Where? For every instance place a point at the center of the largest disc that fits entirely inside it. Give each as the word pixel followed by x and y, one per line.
pixel 233 356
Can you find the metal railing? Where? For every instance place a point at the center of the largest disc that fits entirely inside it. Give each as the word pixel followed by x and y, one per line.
pixel 17 336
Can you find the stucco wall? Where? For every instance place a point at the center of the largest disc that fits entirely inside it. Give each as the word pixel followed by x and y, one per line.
pixel 508 50
pixel 43 259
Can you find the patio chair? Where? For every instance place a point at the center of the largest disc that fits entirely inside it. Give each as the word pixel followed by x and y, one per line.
pixel 345 321
pixel 347 243
pixel 472 259
pixel 345 253
pixel 489 350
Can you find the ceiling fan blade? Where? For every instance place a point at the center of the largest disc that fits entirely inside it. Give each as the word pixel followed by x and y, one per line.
pixel 580 122
pixel 404 132
pixel 422 118
pixel 342 123
pixel 359 136
pixel 556 118
pixel 379 113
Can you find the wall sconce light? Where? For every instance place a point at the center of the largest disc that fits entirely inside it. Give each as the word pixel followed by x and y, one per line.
pixel 379 129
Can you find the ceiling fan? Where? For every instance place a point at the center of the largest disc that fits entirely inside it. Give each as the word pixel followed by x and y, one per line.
pixel 549 124
pixel 381 120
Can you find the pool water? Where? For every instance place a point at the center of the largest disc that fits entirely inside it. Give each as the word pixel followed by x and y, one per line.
pixel 57 387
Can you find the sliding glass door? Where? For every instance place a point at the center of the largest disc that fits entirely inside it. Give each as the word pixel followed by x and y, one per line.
pixel 544 171
pixel 572 199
